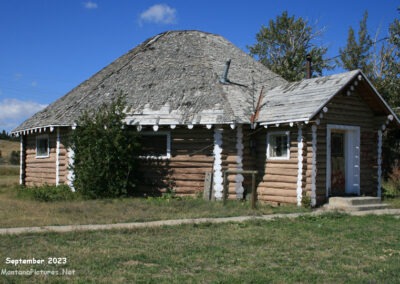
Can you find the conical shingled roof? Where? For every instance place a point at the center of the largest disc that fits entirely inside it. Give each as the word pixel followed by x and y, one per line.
pixel 172 78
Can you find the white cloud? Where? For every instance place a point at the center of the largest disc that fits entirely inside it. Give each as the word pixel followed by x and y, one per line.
pixel 13 112
pixel 90 5
pixel 159 14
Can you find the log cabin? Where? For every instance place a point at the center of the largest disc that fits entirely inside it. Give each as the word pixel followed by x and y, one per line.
pixel 207 109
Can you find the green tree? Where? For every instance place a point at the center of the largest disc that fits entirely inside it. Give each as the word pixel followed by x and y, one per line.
pixel 282 46
pixel 105 163
pixel 357 54
pixel 378 59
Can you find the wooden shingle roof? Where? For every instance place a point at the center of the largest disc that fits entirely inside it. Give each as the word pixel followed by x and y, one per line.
pixel 170 78
pixel 302 101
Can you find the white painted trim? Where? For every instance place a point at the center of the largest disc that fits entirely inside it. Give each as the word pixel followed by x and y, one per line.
pixel 239 160
pixel 43 136
pixel 287 156
pixel 314 166
pixel 168 146
pixel 299 189
pixel 58 157
pixel 218 178
pixel 379 161
pixel 352 149
pixel 21 160
pixel 71 175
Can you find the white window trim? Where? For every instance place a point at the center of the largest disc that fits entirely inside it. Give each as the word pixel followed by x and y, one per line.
pixel 159 133
pixel 44 136
pixel 287 133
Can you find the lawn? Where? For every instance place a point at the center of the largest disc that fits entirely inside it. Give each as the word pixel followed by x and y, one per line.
pixel 329 249
pixel 18 211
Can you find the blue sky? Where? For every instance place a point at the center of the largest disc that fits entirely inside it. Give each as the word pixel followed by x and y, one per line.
pixel 50 46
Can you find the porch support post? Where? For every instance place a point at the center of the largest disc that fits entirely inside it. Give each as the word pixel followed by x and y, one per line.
pixel 314 166
pixel 58 157
pixel 22 160
pixel 218 179
pixel 299 190
pixel 239 160
pixel 379 160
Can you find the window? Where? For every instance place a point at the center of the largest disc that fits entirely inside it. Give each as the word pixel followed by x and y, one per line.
pixel 42 146
pixel 278 145
pixel 156 145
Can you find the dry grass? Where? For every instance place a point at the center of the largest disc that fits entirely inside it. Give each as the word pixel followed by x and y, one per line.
pixel 19 211
pixel 6 147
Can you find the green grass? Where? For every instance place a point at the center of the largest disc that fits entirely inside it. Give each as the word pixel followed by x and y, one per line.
pixel 324 249
pixel 18 210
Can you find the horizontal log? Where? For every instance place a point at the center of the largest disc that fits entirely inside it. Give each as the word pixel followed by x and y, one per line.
pixel 179 183
pixel 189 170
pixel 49 170
pixel 279 185
pixel 279 178
pixel 192 158
pixel 277 192
pixel 281 171
pixel 194 177
pixel 50 160
pixel 278 199
pixel 191 164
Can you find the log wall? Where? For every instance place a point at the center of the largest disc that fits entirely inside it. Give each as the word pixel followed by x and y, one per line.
pixel 184 172
pixel 352 111
pixel 42 170
pixel 277 178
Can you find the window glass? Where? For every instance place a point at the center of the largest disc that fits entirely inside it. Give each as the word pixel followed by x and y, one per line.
pixel 278 145
pixel 155 144
pixel 42 146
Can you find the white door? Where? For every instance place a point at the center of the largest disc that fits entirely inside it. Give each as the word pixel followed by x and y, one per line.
pixel 343 164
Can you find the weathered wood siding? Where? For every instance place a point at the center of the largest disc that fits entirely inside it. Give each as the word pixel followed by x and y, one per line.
pixel 277 178
pixel 351 111
pixel 42 170
pixel 184 172
pixel 230 158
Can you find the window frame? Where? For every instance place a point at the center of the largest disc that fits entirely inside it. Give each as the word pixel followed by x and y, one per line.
pixel 278 133
pixel 165 156
pixel 44 155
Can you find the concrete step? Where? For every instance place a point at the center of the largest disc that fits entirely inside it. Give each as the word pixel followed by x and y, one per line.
pixel 353 201
pixel 352 204
pixel 357 207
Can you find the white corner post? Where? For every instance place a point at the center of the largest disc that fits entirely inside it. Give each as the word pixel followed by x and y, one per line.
pixel 379 192
pixel 21 160
pixel 218 178
pixel 58 157
pixel 314 166
pixel 71 176
pixel 239 161
pixel 300 143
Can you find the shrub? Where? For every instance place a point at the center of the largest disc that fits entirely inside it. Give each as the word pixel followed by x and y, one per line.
pixel 15 158
pixel 391 187
pixel 105 163
pixel 48 193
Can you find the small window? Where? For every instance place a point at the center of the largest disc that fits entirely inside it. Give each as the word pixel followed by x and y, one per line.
pixel 156 145
pixel 42 146
pixel 278 145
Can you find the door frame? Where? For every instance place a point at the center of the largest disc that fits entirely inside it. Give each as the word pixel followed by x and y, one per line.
pixel 351 155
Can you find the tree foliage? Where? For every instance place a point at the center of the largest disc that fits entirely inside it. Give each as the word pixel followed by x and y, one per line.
pixel 357 54
pixel 105 163
pixel 282 46
pixel 379 59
